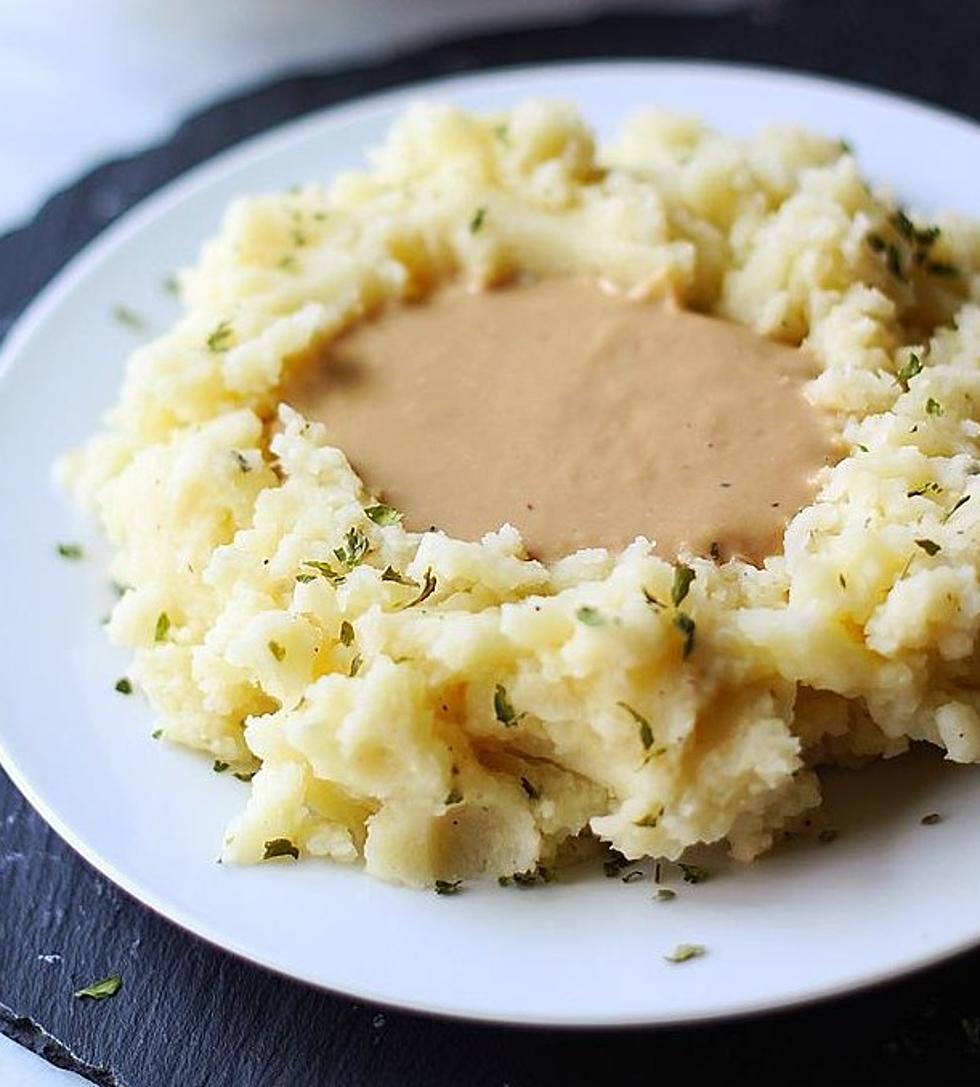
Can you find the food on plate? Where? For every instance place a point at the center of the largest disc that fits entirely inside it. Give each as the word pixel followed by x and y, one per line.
pixel 515 494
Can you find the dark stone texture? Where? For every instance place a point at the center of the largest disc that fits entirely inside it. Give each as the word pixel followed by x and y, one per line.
pixel 191 1016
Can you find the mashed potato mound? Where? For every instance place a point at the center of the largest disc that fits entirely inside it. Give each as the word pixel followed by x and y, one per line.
pixel 440 708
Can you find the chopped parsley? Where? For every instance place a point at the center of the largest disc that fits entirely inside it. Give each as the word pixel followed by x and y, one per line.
pixel 277 650
pixel 591 617
pixel 646 732
pixel 124 685
pixel 305 579
pixel 244 775
pixel 428 588
pixel 931 819
pixel 383 515
pixel 162 627
pixel 941 268
pixel 453 797
pixel 683 576
pixel 664 894
pixel 652 600
pixel 242 461
pixel 71 551
pixel 156 733
pixel 219 767
pixel 694 873
pixel 842 580
pixel 532 792
pixel 100 990
pixel 355 666
pixel 905 373
pixel 960 502
pixel 686 625
pixel 353 549
pixel 683 952
pixel 929 488
pixel 933 407
pixel 476 223
pixel 346 633
pixel 651 819
pixel 280 847
pixel 170 284
pixel 129 318
pixel 391 574
pixel 929 546
pixel 220 339
pixel 324 569
pixel 633 876
pixel 503 709
pixel 445 887
pixel 502 132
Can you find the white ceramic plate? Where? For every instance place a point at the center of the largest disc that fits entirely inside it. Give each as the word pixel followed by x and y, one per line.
pixel 887 896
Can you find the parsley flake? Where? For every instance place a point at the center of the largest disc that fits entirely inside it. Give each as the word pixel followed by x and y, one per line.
pixel 162 627
pixel 929 546
pixel 447 887
pixel 633 876
pixel 100 990
pixel 277 650
pixel 664 894
pixel 428 588
pixel 219 767
pixel 959 504
pixel 686 625
pixel 591 617
pixel 391 574
pixel 683 576
pixel 453 797
pixel 383 515
pixel 694 873
pixel 71 551
pixel 532 792
pixel 353 549
pixel 503 709
pixel 909 371
pixel 219 340
pixel 242 461
pixel 931 819
pixel 324 569
pixel 244 775
pixel 346 633
pixel 614 865
pixel 355 666
pixel 124 685
pixel 646 732
pixel 476 223
pixel 933 407
pixel 684 952
pixel 129 318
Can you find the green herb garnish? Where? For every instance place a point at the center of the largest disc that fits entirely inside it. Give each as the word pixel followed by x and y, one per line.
pixel 694 873
pixel 156 734
pixel 942 268
pixel 476 223
pixel 445 887
pixel 71 551
pixel 383 515
pixel 664 894
pixel 219 767
pixel 683 576
pixel 502 708
pixel 615 865
pixel 646 732
pixel 129 318
pixel 933 407
pixel 124 685
pixel 280 847
pixel 244 775
pixel 305 579
pixel 931 819
pixel 355 666
pixel 683 952
pixel 277 650
pixel 324 569
pixel 591 617
pixel 162 627
pixel 686 625
pixel 650 820
pixel 353 549
pixel 960 503
pixel 100 990
pixel 346 633
pixel 453 797
pixel 219 339
pixel 428 588
pixel 633 876
pixel 929 546
pixel 391 574
pixel 909 371
pixel 241 460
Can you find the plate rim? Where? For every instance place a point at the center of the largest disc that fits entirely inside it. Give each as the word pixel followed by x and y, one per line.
pixel 354 110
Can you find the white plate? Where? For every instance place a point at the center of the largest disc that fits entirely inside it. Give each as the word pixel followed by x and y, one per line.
pixel 887 896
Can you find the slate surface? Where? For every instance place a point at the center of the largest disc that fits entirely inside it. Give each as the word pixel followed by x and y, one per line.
pixel 190 1015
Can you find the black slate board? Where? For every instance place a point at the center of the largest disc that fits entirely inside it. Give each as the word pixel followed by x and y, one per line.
pixel 189 1015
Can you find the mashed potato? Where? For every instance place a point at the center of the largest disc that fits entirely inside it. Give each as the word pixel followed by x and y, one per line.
pixel 439 707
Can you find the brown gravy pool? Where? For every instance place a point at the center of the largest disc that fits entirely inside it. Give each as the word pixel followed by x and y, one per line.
pixel 583 418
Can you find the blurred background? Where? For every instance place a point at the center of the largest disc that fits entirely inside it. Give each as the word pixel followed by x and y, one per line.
pixel 82 80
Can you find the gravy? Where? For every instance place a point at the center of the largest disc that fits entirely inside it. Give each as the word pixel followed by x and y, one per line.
pixel 583 418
